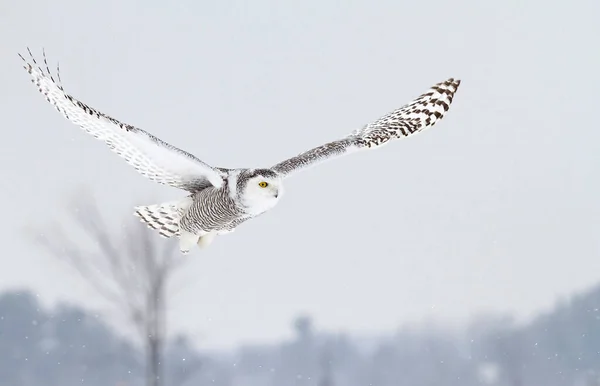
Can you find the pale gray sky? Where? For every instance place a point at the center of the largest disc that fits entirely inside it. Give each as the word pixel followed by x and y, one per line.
pixel 495 209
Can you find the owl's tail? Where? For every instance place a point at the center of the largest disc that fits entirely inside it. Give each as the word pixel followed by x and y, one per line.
pixel 164 217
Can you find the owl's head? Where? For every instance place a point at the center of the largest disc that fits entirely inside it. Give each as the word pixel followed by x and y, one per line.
pixel 259 189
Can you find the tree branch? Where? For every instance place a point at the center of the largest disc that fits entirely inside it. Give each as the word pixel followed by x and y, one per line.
pixel 129 268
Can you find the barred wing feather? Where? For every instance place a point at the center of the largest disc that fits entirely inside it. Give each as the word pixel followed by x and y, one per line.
pixel 150 156
pixel 414 117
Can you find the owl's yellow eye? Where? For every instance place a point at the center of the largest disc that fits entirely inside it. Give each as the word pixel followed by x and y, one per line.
pixel 263 184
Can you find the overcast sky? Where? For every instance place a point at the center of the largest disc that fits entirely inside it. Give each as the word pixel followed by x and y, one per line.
pixel 494 209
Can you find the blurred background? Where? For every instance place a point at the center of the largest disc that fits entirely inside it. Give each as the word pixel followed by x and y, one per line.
pixel 476 264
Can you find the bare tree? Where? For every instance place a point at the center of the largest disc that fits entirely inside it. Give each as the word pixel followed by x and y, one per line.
pixel 130 267
pixel 326 363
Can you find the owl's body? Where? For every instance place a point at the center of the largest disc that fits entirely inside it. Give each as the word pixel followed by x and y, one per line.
pixel 214 210
pixel 221 199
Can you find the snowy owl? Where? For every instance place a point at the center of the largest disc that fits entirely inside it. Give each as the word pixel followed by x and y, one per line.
pixel 220 199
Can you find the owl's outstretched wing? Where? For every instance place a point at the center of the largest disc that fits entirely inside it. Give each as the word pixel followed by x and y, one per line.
pixel 152 157
pixel 421 113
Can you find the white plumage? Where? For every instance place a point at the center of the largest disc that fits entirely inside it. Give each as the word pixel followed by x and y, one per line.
pixel 164 217
pixel 220 199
